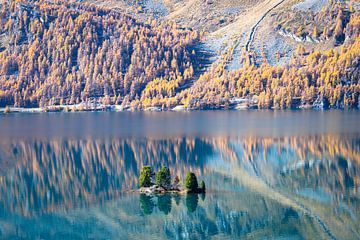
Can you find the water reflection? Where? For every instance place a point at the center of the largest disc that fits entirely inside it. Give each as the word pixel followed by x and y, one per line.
pixel 47 174
pixel 298 186
pixel 147 203
pixel 192 202
pixel 164 202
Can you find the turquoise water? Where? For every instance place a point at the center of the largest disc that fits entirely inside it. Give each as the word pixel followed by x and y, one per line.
pixel 269 175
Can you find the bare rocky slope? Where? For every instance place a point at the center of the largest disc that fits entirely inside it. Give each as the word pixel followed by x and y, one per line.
pixel 244 24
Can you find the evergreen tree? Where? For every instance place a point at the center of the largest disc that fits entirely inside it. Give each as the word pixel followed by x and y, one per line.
pixel 191 182
pixel 146 175
pixel 163 178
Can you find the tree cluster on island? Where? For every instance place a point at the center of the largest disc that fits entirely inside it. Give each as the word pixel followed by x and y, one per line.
pixel 161 182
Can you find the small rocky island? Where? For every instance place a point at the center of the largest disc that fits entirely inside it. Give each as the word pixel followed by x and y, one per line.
pixel 161 182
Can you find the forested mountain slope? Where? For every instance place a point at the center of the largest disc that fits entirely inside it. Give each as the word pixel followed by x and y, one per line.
pixel 68 53
pixel 277 54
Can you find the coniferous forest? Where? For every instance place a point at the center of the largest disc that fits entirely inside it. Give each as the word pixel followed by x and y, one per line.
pixel 60 53
pixel 68 53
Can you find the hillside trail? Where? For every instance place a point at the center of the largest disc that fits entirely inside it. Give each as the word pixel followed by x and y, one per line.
pixel 246 23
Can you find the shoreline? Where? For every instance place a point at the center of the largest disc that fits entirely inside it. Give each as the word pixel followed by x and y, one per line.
pixel 119 108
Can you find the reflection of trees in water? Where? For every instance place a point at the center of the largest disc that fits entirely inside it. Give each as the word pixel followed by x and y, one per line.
pixel 46 174
pixel 164 202
pixel 332 161
pixel 236 216
pixel 337 175
pixel 233 216
pixel 192 201
pixel 146 204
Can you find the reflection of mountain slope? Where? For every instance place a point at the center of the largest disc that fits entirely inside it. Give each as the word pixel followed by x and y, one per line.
pixel 47 174
pixel 337 178
pixel 253 158
pixel 60 171
pixel 340 175
pixel 244 215
pixel 317 178
pixel 268 157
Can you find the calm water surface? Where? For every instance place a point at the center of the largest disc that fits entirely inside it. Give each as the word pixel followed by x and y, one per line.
pixel 269 175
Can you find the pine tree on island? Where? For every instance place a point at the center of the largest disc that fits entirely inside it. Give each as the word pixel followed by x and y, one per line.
pixel 191 184
pixel 163 178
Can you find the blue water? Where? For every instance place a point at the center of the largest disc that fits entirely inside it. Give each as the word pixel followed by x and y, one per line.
pixel 269 175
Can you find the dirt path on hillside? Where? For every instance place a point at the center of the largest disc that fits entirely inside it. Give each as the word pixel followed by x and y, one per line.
pixel 247 23
pixel 253 29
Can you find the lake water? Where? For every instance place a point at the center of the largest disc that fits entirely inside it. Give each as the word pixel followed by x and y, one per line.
pixel 269 175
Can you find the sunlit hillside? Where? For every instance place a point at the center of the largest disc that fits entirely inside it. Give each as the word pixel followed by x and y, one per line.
pixel 191 55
